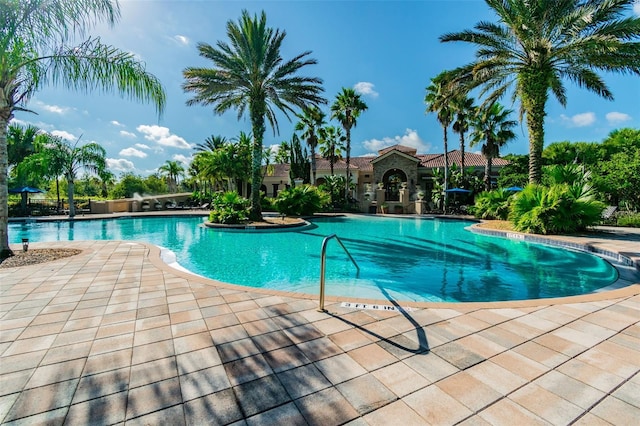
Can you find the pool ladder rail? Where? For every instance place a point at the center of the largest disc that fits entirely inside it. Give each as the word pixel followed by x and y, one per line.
pixel 323 263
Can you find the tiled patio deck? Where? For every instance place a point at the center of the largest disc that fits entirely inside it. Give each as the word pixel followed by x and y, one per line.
pixel 114 336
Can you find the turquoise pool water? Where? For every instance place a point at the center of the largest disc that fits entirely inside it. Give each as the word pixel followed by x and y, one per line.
pixel 405 258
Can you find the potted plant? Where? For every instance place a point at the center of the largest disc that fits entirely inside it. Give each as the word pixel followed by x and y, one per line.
pixel 384 208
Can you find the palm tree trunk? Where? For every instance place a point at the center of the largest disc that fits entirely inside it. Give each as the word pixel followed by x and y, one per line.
pixel 487 173
pixel 70 187
pixel 313 163
pixel 533 103
pixel 256 111
pixel 348 161
pixel 446 169
pixel 462 153
pixel 5 251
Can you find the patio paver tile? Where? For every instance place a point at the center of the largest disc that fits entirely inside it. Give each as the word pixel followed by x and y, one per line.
pixel 42 399
pixel 574 391
pixel 314 408
pixel 629 392
pixel 260 395
pixel 102 384
pixel 303 380
pixel 214 409
pixel 203 382
pixel 173 416
pixel 110 409
pixel 617 411
pixel 153 397
pixel 372 357
pixel 285 358
pixel 247 369
pixel 436 406
pixel 545 404
pixel 397 412
pixel 366 393
pixel 506 412
pixel 593 376
pixel 152 371
pixel 340 368
pixel 469 391
pixel 400 379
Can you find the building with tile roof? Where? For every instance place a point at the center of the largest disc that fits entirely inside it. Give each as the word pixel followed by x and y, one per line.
pixel 394 168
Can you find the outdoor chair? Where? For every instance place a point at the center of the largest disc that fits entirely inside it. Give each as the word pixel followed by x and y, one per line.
pixel 608 214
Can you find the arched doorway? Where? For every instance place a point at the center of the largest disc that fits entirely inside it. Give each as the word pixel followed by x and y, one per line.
pixel 392 180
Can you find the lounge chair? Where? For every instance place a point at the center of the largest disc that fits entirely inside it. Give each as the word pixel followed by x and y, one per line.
pixel 608 214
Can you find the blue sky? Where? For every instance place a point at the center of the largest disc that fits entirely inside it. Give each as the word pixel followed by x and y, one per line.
pixel 387 50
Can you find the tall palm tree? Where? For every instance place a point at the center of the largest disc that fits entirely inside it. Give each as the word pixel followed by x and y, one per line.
pixel 173 170
pixel 463 110
pixel 331 144
pixel 346 109
pixel 249 73
pixel 311 121
pixel 211 143
pixel 492 128
pixel 34 52
pixel 438 100
pixel 539 43
pixel 64 159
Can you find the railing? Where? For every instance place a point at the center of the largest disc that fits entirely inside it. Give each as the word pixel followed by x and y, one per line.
pixel 323 262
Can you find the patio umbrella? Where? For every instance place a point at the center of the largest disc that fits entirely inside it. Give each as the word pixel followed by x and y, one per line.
pixel 458 190
pixel 513 188
pixel 24 190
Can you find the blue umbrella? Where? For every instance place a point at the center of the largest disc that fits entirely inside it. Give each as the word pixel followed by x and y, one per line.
pixel 25 189
pixel 513 188
pixel 458 190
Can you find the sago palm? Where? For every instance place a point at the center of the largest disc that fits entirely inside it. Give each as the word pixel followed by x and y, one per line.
pixel 346 108
pixel 34 52
pixel 249 74
pixel 538 44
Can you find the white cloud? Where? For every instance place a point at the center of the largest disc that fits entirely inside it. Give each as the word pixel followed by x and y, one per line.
pixel 617 117
pixel 182 158
pixel 64 135
pixel 119 164
pixel 365 88
pixel 410 138
pixel 116 123
pixel 636 7
pixel 127 134
pixel 580 120
pixel 184 40
pixel 53 108
pixel 132 152
pixel 18 122
pixel 162 136
pixel 142 146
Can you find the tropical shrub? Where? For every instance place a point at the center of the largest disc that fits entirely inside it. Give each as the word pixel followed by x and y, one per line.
pixel 556 209
pixel 632 220
pixel 492 205
pixel 302 200
pixel 229 208
pixel 334 185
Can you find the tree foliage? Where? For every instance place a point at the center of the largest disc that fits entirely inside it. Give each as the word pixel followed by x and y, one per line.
pixel 249 74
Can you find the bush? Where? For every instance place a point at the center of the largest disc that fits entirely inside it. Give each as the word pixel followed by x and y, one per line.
pixel 558 209
pixel 302 200
pixel 229 208
pixel 631 219
pixel 492 205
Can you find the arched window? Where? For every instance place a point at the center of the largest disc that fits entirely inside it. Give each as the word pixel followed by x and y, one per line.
pixel 392 180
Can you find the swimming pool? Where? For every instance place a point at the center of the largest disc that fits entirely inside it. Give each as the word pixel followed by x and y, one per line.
pixel 409 259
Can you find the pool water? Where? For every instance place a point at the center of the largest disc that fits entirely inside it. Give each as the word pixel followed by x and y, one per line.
pixel 409 259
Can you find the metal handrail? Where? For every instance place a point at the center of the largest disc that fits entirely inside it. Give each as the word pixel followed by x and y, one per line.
pixel 323 262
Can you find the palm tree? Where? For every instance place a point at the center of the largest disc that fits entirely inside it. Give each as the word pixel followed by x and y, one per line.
pixel 34 53
pixel 249 73
pixel 21 142
pixel 311 121
pixel 438 100
pixel 283 155
pixel 173 170
pixel 493 127
pixel 331 144
pixel 346 109
pixel 538 43
pixel 211 143
pixel 64 159
pixel 463 109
